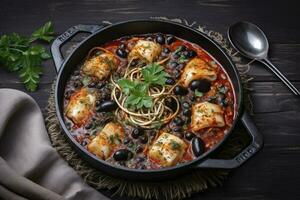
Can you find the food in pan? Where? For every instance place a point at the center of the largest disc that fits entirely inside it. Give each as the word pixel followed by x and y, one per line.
pixel 149 101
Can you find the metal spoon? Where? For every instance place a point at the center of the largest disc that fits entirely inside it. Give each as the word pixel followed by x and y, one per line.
pixel 250 41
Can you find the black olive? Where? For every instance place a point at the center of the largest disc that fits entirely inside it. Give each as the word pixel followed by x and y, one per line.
pixel 149 38
pixel 84 143
pixel 176 56
pixel 179 90
pixel 171 103
pixel 197 146
pixel 193 97
pixel 89 126
pixel 177 129
pixel 188 119
pixel 130 144
pixel 185 53
pixel 189 136
pixel 186 105
pixel 152 133
pixel 98 102
pixel 143 167
pixel 191 54
pixel 68 125
pixel 177 74
pixel 139 149
pixel 100 85
pixel 107 106
pixel 126 141
pixel 224 103
pixel 178 121
pixel 122 46
pixel 187 112
pixel 170 81
pixel 121 53
pixel 136 132
pixel 76 72
pixel 180 66
pixel 170 39
pixel 144 139
pixel 92 84
pixel 173 64
pixel 122 155
pixel 166 50
pixel 200 85
pixel 68 94
pixel 160 39
pixel 77 84
pixel 140 159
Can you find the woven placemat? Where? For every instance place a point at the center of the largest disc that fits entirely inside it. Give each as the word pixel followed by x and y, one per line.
pixel 181 187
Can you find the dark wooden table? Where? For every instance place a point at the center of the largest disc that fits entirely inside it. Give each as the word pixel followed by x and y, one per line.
pixel 274 173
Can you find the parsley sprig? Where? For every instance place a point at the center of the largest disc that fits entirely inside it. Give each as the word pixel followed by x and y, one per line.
pixel 20 54
pixel 154 74
pixel 137 91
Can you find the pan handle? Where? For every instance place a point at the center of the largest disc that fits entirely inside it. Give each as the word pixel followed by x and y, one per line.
pixel 248 152
pixel 66 36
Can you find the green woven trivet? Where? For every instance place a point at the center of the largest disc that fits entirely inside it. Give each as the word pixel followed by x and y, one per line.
pixel 181 187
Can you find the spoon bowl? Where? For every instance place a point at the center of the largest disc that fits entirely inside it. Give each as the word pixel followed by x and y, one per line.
pixel 250 41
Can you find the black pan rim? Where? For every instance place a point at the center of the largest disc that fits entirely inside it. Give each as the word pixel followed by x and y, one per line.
pixel 165 169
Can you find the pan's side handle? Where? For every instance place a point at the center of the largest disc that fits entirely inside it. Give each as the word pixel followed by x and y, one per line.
pixel 255 145
pixel 66 36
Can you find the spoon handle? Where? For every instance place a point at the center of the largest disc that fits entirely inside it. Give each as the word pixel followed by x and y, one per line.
pixel 270 65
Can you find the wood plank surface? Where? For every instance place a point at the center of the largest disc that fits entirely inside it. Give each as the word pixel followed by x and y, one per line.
pixel 274 173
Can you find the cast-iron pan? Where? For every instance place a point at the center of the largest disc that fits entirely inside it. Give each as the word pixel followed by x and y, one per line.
pixel 100 35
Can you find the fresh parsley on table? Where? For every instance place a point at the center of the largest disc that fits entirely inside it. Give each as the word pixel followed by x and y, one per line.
pixel 22 55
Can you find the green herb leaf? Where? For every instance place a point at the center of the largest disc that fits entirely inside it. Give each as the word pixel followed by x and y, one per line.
pixel 18 54
pixel 213 64
pixel 175 145
pixel 44 33
pixel 30 72
pixel 86 80
pixel 126 85
pixel 177 50
pixel 137 94
pixel 182 59
pixel 11 50
pixel 223 89
pixel 154 74
pixel 198 94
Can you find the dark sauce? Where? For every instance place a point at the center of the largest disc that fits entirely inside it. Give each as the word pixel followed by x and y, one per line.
pixel 221 93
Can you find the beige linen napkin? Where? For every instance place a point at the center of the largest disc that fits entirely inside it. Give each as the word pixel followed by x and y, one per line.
pixel 30 168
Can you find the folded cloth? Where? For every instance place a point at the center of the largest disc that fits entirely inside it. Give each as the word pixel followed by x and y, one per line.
pixel 30 168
